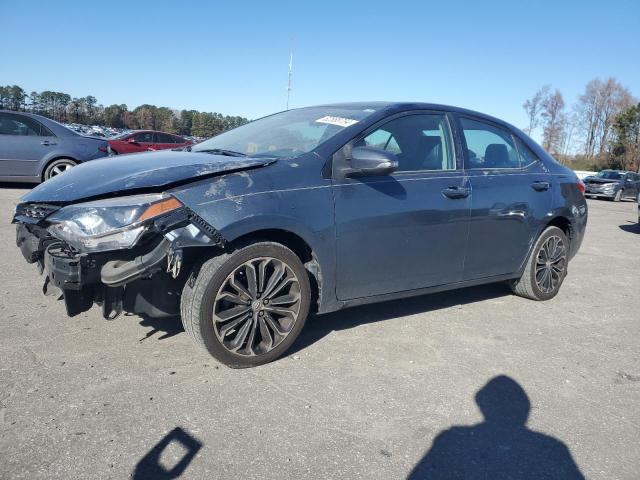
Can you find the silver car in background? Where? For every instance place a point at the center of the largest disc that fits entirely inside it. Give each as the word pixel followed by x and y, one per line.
pixel 34 148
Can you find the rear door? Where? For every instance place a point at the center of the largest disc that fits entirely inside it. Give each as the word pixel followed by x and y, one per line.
pixel 24 142
pixel 407 230
pixel 164 141
pixel 510 198
pixel 180 142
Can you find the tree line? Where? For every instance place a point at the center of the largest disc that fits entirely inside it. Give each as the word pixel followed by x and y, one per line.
pixel 600 130
pixel 62 107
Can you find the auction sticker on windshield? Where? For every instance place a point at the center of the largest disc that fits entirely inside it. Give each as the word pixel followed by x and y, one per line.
pixel 339 121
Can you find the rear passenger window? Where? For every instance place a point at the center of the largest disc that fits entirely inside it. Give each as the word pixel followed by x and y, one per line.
pixel 488 146
pixel 164 138
pixel 420 142
pixel 527 157
pixel 45 132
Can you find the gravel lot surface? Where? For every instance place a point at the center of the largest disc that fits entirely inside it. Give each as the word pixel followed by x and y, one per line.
pixel 363 394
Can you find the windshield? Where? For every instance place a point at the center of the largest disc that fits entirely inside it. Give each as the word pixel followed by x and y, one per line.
pixel 609 175
pixel 286 134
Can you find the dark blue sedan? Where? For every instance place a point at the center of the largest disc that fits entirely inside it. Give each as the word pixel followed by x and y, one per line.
pixel 35 148
pixel 315 209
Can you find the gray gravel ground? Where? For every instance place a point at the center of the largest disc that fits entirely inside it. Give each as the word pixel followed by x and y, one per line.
pixel 363 394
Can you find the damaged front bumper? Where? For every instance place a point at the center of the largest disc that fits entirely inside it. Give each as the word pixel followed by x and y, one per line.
pixel 145 280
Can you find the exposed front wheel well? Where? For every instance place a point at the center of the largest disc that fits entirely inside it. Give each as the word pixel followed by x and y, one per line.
pixel 297 245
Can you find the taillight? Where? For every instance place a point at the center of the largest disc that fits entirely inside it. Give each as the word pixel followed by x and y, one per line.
pixel 580 185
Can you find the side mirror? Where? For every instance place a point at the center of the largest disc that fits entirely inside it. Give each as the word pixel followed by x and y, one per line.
pixel 369 161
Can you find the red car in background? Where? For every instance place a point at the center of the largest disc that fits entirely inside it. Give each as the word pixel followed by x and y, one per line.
pixel 145 140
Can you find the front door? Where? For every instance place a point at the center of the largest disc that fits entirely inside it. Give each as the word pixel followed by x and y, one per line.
pixel 511 197
pixel 144 141
pixel 407 230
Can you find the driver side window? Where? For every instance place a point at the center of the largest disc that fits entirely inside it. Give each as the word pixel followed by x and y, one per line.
pixel 383 140
pixel 420 142
pixel 144 137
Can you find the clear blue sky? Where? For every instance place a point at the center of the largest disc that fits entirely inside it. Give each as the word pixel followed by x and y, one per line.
pixel 232 56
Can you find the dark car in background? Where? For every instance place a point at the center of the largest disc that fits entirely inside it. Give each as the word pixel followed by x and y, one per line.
pixel 314 209
pixel 144 141
pixel 35 148
pixel 613 184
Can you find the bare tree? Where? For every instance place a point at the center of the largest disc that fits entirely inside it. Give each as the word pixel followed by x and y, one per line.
pixel 568 135
pixel 533 107
pixel 615 99
pixel 596 110
pixel 554 122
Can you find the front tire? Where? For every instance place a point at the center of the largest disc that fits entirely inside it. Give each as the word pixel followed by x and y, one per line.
pixel 618 196
pixel 247 307
pixel 546 267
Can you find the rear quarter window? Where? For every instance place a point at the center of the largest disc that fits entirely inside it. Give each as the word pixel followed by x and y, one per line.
pixel 527 157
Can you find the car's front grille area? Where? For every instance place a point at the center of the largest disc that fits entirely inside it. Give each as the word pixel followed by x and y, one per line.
pixel 36 211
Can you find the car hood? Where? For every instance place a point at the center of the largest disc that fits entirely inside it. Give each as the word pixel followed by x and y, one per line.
pixel 137 173
pixel 600 180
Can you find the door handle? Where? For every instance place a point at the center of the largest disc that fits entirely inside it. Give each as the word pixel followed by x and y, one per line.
pixel 47 142
pixel 456 192
pixel 540 186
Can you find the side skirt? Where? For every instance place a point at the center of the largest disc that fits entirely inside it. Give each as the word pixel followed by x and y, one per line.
pixel 424 291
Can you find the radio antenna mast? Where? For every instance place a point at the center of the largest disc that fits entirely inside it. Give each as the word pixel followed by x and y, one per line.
pixel 290 74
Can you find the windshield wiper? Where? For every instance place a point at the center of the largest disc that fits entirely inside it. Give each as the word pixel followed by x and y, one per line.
pixel 221 151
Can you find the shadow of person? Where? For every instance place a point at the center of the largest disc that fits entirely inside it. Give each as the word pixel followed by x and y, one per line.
pixel 150 466
pixel 501 447
pixel 630 227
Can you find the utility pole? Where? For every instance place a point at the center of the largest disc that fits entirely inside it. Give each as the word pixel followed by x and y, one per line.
pixel 290 74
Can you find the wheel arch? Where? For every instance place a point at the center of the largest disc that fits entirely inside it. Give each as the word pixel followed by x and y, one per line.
pixel 564 224
pixel 560 220
pixel 298 245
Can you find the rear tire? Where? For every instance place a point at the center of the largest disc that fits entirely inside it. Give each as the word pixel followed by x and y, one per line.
pixel 546 267
pixel 247 307
pixel 57 167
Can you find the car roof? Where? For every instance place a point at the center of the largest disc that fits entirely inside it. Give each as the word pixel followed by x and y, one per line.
pixel 392 107
pixel 150 131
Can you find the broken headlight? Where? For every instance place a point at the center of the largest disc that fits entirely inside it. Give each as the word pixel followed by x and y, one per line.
pixel 109 224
